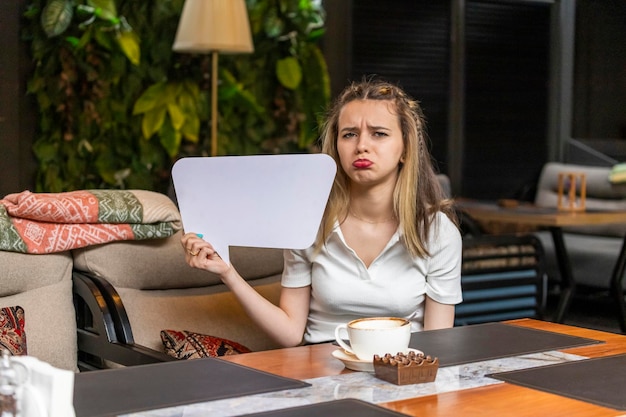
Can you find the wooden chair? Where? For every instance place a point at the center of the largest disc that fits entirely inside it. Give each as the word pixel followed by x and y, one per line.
pixel 502 278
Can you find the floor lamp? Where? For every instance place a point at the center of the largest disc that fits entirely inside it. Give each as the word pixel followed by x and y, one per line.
pixel 214 26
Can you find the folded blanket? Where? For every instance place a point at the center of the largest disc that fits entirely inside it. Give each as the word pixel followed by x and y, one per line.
pixel 57 222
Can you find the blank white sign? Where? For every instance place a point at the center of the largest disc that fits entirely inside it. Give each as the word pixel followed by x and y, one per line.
pixel 268 201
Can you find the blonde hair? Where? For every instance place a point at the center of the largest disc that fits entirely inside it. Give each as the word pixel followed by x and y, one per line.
pixel 417 195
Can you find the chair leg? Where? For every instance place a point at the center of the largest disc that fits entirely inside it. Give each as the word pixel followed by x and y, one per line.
pixel 568 285
pixel 617 290
pixel 621 309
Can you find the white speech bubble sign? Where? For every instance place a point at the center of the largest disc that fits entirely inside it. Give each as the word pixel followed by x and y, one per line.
pixel 266 201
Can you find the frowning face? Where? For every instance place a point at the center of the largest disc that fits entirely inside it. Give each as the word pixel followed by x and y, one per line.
pixel 370 144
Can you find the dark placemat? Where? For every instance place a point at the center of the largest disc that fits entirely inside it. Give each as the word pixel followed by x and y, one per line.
pixel 481 342
pixel 341 408
pixel 137 388
pixel 598 381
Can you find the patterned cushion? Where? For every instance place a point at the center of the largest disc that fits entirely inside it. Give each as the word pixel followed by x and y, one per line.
pixel 190 345
pixel 12 334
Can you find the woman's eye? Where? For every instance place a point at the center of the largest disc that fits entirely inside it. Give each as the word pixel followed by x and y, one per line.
pixel 349 135
pixel 380 134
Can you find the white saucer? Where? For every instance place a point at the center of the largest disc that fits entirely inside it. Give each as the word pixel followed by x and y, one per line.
pixel 352 362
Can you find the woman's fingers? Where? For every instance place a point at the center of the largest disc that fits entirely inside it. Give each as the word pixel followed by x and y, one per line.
pixel 201 254
pixel 194 245
pixel 207 252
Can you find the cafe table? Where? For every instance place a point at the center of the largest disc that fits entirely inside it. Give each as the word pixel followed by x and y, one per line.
pixel 554 220
pixel 469 392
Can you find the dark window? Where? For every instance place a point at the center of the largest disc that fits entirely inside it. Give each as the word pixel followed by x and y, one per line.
pixel 506 96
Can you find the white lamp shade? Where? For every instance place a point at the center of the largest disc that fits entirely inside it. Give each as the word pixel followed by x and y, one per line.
pixel 214 25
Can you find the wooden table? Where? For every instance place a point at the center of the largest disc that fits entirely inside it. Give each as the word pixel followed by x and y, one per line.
pixel 314 361
pixel 554 220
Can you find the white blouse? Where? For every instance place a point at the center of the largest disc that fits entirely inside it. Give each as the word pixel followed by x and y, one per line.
pixel 395 284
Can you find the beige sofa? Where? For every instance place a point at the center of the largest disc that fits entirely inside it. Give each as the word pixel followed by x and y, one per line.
pixel 42 285
pixel 106 304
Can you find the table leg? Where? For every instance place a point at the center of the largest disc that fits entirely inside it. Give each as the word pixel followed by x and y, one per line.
pixel 617 290
pixel 568 285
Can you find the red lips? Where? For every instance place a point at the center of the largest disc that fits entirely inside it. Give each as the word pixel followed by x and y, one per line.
pixel 362 163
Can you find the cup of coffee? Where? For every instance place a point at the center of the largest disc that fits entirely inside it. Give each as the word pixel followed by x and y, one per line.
pixel 374 336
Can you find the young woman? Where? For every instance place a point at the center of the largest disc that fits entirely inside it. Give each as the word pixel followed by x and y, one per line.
pixel 388 243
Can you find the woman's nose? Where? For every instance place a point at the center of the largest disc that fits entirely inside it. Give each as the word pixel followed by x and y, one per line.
pixel 363 143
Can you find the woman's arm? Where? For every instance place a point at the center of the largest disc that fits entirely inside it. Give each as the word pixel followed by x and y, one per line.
pixel 437 315
pixel 444 275
pixel 285 323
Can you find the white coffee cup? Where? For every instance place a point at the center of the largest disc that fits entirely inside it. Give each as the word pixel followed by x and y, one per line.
pixel 375 336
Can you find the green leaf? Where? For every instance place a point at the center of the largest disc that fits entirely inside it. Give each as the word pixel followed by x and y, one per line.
pixel 106 7
pixel 45 151
pixel 103 38
pixel 151 98
pixel 191 88
pixel 172 90
pixel 177 116
pixel 56 17
pixel 152 121
pixel 187 103
pixel 289 72
pixel 75 165
pixel 129 42
pixel 231 89
pixel 73 40
pixel 251 102
pixel 106 167
pixel 191 129
pixel 53 182
pixel 316 34
pixel 273 25
pixel 170 139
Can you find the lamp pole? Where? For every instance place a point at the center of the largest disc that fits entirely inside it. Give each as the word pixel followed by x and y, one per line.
pixel 214 77
pixel 211 27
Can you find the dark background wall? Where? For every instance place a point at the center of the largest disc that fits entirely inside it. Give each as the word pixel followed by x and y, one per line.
pixel 600 77
pixel 508 60
pixel 17 118
pixel 501 133
pixel 506 56
pixel 506 99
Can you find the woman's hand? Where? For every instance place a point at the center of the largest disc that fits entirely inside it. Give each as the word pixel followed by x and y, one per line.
pixel 201 254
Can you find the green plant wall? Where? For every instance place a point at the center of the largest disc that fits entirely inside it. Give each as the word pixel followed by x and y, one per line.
pixel 117 106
